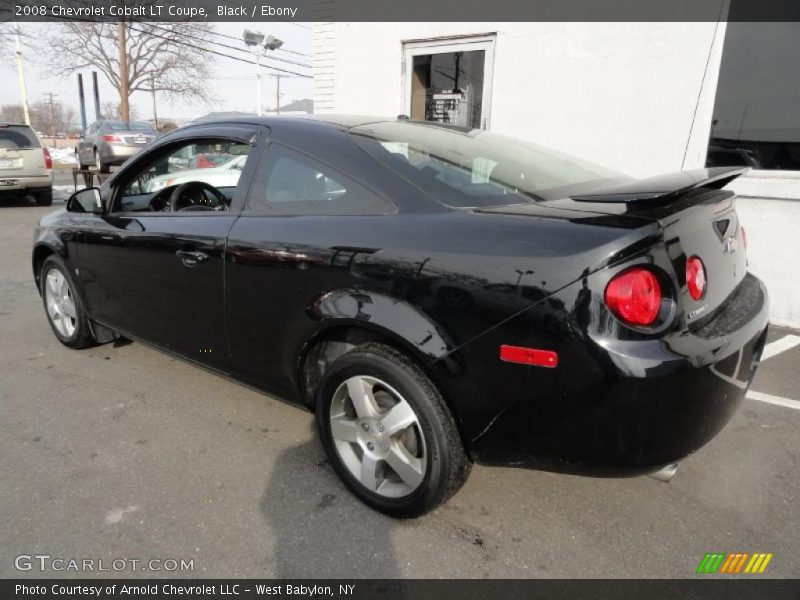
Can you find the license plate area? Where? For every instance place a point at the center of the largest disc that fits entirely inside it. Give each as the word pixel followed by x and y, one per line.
pixel 141 140
pixel 6 163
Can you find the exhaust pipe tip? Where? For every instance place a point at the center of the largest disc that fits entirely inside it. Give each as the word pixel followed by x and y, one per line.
pixel 665 474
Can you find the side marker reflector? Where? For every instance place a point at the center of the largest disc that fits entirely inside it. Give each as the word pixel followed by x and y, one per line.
pixel 529 356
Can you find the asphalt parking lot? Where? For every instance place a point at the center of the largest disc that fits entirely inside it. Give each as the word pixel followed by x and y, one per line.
pixel 124 452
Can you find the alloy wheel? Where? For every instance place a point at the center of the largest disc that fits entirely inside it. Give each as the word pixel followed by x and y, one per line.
pixel 378 437
pixel 60 303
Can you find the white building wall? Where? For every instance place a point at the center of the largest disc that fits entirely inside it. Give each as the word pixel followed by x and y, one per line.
pixel 621 94
pixel 769 208
pixel 324 67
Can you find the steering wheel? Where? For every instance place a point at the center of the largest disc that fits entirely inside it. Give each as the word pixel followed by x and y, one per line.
pixel 182 194
pixel 160 200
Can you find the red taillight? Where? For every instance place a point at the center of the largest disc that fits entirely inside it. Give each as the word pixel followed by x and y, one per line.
pixel 529 356
pixel 634 296
pixel 695 277
pixel 48 161
pixel 744 237
pixel 112 138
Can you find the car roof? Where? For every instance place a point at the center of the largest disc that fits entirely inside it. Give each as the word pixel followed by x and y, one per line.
pixel 15 125
pixel 285 124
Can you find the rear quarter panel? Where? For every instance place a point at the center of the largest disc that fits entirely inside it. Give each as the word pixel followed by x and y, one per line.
pixel 396 273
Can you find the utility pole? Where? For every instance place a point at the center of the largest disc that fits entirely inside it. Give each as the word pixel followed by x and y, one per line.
pixel 124 109
pixel 23 88
pixel 51 103
pixel 153 89
pixel 278 95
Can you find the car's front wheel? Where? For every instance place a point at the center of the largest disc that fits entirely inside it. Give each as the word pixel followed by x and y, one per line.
pixel 388 433
pixel 63 305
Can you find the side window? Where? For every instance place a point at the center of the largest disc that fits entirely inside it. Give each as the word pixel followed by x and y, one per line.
pixel 213 166
pixel 295 184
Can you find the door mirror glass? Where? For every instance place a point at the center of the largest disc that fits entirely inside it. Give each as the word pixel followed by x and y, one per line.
pixel 86 201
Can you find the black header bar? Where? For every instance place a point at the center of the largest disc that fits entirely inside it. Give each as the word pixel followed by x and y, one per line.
pixel 403 10
pixel 740 588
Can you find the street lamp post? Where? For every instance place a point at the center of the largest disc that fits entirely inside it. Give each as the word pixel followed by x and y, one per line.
pixel 23 88
pixel 259 44
pixel 258 82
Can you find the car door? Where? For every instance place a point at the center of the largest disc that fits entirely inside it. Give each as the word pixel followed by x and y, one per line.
pixel 303 223
pixel 158 274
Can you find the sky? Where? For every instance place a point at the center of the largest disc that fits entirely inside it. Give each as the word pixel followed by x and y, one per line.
pixel 233 83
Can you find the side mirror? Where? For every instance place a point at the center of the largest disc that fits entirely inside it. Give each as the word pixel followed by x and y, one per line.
pixel 86 201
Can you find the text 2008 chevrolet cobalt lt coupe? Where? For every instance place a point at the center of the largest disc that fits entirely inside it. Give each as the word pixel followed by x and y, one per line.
pixel 438 296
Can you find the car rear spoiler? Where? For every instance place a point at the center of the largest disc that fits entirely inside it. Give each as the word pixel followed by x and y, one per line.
pixel 664 187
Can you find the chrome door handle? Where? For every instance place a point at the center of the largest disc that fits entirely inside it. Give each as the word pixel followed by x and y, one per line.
pixel 191 258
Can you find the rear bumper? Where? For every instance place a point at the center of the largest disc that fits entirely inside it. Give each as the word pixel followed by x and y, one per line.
pixel 10 184
pixel 630 407
pixel 117 153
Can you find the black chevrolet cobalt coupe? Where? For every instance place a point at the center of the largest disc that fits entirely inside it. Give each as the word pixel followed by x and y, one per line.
pixel 438 296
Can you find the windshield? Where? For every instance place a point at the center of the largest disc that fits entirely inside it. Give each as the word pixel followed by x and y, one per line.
pixel 14 137
pixel 474 168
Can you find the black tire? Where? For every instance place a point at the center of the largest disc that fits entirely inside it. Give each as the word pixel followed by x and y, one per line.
pixel 101 166
pixel 447 464
pixel 82 336
pixel 44 198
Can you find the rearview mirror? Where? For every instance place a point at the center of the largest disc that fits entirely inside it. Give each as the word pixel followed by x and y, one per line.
pixel 86 201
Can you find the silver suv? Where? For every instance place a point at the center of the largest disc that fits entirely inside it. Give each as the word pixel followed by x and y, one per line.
pixel 108 142
pixel 25 166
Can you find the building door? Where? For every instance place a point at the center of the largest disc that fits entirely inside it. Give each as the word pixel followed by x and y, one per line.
pixel 449 80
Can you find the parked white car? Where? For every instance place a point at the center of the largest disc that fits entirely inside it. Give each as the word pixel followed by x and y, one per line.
pixel 25 166
pixel 224 175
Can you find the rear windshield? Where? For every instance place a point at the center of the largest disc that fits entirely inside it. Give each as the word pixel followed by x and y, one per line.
pixel 132 126
pixel 16 137
pixel 474 168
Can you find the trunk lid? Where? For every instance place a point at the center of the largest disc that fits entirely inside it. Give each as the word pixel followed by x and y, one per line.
pixel 683 214
pixel 698 219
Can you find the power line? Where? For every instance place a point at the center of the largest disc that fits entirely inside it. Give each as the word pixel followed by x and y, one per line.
pixel 233 37
pixel 195 47
pixel 237 48
pixel 224 35
pixel 188 45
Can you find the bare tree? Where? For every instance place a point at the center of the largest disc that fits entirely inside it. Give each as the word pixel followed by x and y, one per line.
pixel 7 41
pixel 165 56
pixel 12 113
pixel 50 120
pixel 109 110
pixel 69 119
